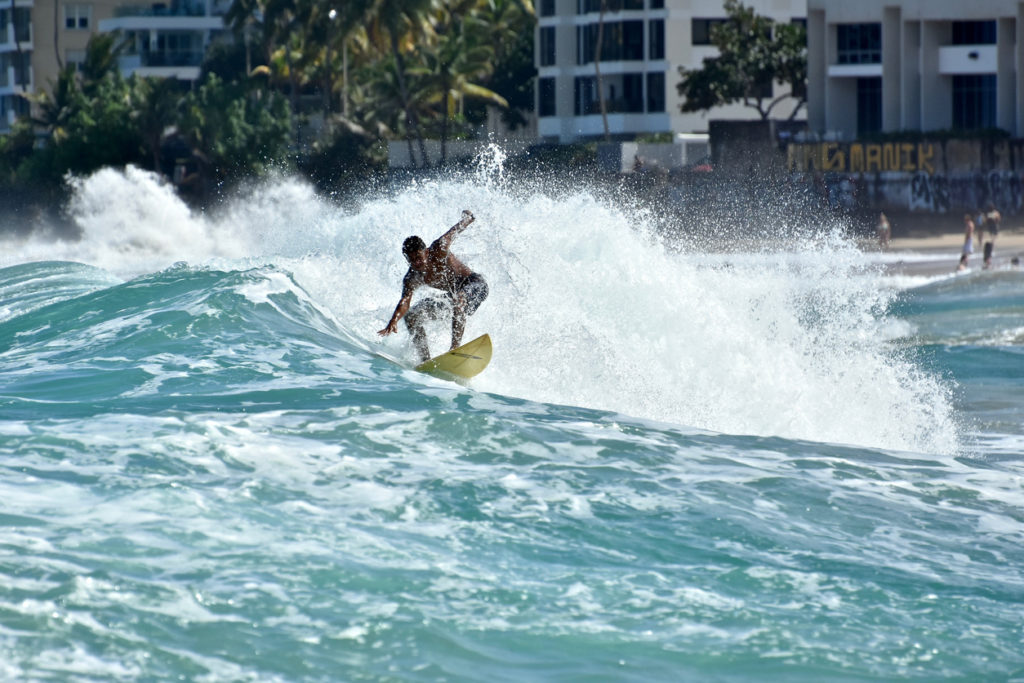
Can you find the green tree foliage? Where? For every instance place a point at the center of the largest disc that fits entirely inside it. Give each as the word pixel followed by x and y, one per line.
pixel 753 51
pixel 232 131
pixel 397 68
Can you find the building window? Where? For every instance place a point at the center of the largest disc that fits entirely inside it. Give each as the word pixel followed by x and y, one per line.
pixel 632 41
pixel 657 4
pixel 21 64
pixel 632 94
pixel 701 30
pixel 621 41
pixel 584 96
pixel 656 28
pixel 974 102
pixel 859 43
pixel 589 6
pixel 547 8
pixel 12 104
pixel 546 97
pixel 974 32
pixel 547 45
pixel 22 20
pixel 869 105
pixel 75 58
pixel 77 17
pixel 656 91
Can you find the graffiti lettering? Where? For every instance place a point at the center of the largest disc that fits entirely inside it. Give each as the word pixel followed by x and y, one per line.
pixel 858 157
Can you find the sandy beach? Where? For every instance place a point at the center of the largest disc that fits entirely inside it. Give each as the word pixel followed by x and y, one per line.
pixel 934 254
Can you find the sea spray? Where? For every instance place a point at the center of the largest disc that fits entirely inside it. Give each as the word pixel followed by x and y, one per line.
pixel 587 306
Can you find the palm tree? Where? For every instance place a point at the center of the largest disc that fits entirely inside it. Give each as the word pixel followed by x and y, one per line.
pixel 451 67
pixel 402 21
pixel 56 108
pixel 156 107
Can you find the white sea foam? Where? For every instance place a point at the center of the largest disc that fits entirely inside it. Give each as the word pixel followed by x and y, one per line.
pixel 586 308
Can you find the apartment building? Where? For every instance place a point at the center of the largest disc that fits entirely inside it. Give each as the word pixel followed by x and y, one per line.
pixel 38 39
pixel 644 42
pixel 890 65
pixel 167 40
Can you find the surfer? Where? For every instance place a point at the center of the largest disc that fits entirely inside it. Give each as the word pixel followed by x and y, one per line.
pixel 437 267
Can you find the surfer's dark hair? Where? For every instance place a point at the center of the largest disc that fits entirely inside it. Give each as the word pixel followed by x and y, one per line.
pixel 413 244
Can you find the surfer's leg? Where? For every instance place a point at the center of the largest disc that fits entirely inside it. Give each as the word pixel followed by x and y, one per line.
pixel 464 304
pixel 458 319
pixel 418 315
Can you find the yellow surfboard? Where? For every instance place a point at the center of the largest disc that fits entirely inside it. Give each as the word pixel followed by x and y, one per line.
pixel 469 360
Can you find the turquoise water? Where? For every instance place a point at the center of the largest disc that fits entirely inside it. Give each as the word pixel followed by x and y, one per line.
pixel 679 466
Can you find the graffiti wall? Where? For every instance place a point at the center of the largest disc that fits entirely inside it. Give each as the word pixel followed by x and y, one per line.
pixel 913 176
pixel 858 157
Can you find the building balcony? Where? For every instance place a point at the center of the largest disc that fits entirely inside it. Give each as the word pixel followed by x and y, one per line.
pixel 194 8
pixel 854 70
pixel 957 60
pixel 154 22
pixel 23 35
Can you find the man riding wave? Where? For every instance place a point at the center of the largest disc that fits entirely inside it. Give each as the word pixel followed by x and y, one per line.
pixel 435 266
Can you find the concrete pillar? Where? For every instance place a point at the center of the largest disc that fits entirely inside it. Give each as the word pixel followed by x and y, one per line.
pixel 1006 74
pixel 936 90
pixel 892 70
pixel 817 71
pixel 1018 129
pixel 911 81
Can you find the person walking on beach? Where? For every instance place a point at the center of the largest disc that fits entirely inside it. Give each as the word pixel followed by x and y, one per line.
pixel 968 241
pixel 435 266
pixel 992 220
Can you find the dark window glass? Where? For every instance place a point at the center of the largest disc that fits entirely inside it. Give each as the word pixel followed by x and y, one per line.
pixel 657 4
pixel 547 8
pixel 974 101
pixel 656 28
pixel 585 96
pixel 622 41
pixel 869 105
pixel 633 92
pixel 701 29
pixel 656 91
pixel 22 24
pixel 547 45
pixel 974 32
pixel 584 50
pixel 546 97
pixel 859 43
pixel 632 40
pixel 589 6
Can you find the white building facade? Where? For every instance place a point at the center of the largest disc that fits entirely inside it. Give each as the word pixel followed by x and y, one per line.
pixel 38 39
pixel 166 40
pixel 17 46
pixel 890 65
pixel 644 42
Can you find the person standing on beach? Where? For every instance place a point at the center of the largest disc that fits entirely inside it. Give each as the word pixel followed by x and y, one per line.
pixel 968 241
pixel 979 225
pixel 992 220
pixel 884 230
pixel 435 266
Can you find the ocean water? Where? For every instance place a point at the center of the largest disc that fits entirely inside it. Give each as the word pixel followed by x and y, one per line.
pixel 768 464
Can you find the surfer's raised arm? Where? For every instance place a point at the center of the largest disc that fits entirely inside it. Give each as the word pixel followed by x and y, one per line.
pixel 445 240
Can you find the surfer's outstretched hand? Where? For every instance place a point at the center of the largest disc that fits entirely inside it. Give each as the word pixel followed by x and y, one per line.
pixel 390 329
